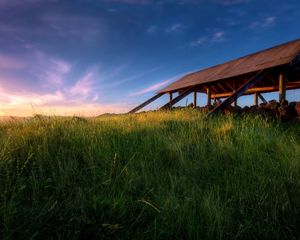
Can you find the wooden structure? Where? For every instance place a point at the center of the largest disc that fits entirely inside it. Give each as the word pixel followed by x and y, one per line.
pixel 269 70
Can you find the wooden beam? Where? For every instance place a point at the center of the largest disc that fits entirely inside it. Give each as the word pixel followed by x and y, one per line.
pixel 213 88
pixel 220 85
pixel 170 96
pixel 257 77
pixel 146 103
pixel 256 99
pixel 195 99
pixel 235 102
pixel 182 94
pixel 262 98
pixel 229 86
pixel 282 86
pixel 296 61
pixel 235 99
pixel 208 96
pixel 289 86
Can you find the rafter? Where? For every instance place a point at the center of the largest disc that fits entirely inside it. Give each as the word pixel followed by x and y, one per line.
pixel 289 86
pixel 146 103
pixel 182 94
pixel 258 76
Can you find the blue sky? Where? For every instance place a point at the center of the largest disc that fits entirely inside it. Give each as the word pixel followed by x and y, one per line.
pixel 95 56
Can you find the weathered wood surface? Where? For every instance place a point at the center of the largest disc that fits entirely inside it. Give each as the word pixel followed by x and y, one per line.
pixel 257 77
pixel 195 99
pixel 289 86
pixel 170 96
pixel 276 56
pixel 208 96
pixel 182 94
pixel 282 86
pixel 255 99
pixel 146 103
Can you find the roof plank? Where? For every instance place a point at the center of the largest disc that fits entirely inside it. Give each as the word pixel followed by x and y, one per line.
pixel 268 58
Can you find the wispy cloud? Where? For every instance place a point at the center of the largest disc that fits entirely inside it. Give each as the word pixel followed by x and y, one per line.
pixel 152 29
pixel 52 90
pixel 11 63
pixel 152 88
pixel 174 28
pixel 29 103
pixel 82 27
pixel 15 3
pixel 215 37
pixel 84 85
pixel 49 70
pixel 198 42
pixel 264 23
pixel 218 36
pixel 79 99
pixel 231 2
pixel 135 77
pixel 139 2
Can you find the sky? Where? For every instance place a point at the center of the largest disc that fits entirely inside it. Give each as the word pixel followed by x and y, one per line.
pixel 88 57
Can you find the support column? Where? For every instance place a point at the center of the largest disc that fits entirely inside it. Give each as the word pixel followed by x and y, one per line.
pixel 235 99
pixel 282 86
pixel 170 96
pixel 195 99
pixel 208 95
pixel 257 77
pixel 235 102
pixel 256 99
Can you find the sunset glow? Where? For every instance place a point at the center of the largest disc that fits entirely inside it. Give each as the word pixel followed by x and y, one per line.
pixel 66 58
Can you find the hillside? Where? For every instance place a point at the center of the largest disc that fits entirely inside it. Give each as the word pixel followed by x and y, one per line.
pixel 159 175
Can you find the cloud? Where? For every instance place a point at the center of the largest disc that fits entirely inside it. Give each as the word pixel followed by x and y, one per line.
pixel 215 37
pixel 83 86
pixel 152 29
pixel 231 2
pixel 11 63
pixel 81 27
pixel 218 36
pixel 136 2
pixel 50 77
pixel 127 79
pixel 79 99
pixel 229 21
pixel 265 23
pixel 52 104
pixel 151 88
pixel 198 42
pixel 48 70
pixel 16 3
pixel 174 28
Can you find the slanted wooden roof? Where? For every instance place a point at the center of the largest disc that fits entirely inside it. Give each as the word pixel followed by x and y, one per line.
pixel 276 56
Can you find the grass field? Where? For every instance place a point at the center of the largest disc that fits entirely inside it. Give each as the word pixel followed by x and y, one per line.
pixel 163 175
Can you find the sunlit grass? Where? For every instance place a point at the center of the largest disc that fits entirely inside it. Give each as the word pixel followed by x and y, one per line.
pixel 157 175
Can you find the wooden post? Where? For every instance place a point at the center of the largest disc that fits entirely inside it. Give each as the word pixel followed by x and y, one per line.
pixel 282 87
pixel 208 95
pixel 195 99
pixel 235 102
pixel 170 96
pixel 256 99
pixel 257 77
pixel 235 99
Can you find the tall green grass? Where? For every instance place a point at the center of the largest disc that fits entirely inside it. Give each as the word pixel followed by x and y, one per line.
pixel 162 175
